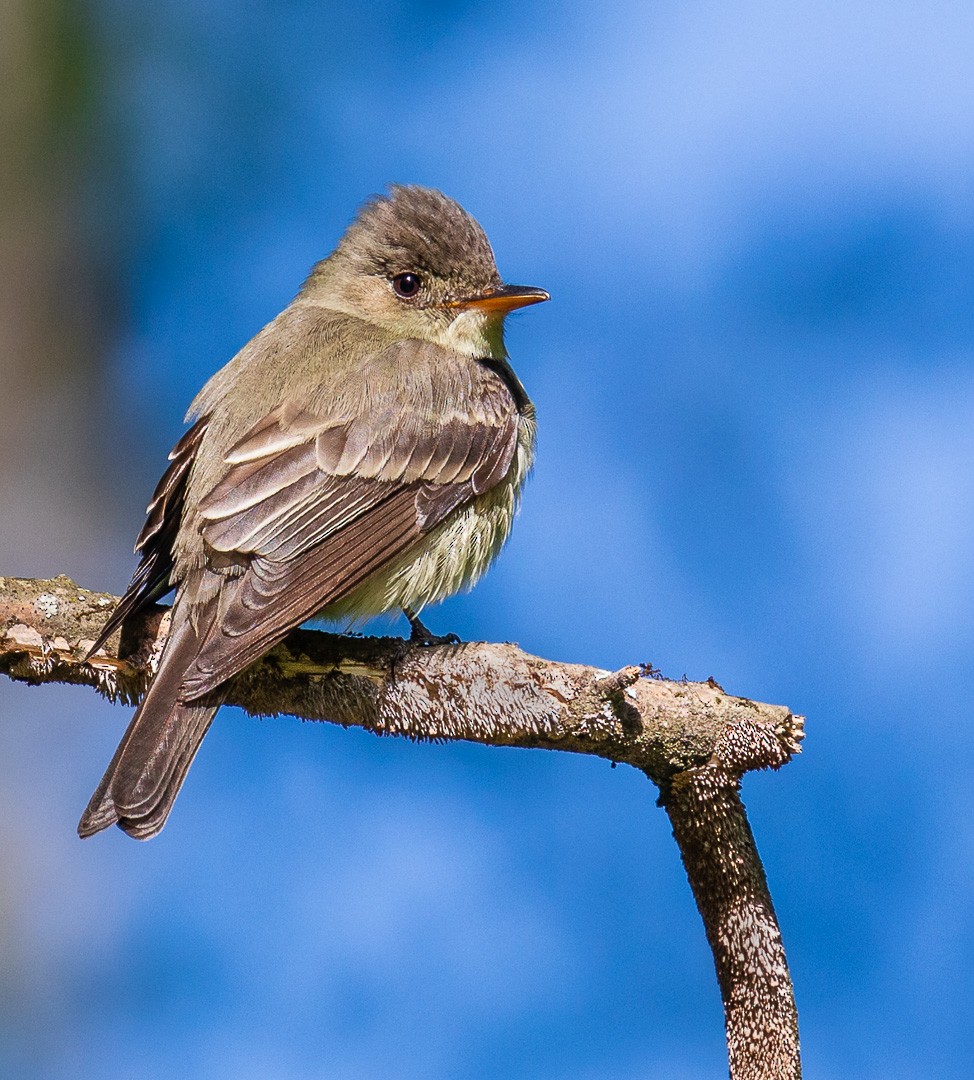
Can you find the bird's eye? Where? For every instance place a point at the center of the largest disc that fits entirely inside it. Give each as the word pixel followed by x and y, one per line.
pixel 407 285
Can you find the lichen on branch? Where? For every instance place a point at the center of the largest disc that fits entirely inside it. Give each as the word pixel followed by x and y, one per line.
pixel 478 691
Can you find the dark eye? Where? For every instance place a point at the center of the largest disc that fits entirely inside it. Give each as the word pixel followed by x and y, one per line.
pixel 407 285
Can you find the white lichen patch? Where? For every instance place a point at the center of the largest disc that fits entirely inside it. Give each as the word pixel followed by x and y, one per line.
pixel 47 605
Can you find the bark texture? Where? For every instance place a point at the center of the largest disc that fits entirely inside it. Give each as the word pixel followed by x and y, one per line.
pixel 692 739
pixel 725 872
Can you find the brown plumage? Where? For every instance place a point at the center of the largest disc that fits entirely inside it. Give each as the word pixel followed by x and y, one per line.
pixel 364 452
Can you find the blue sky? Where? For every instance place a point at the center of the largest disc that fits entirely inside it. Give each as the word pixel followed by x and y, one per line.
pixel 756 461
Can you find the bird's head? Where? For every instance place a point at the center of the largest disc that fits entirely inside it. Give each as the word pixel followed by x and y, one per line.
pixel 416 263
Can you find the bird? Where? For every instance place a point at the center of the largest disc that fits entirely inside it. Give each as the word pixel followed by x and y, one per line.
pixel 364 453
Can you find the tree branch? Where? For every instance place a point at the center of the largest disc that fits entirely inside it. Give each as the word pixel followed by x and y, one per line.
pixel 728 882
pixel 691 739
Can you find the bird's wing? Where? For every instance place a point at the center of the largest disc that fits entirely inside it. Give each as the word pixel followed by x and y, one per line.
pixel 309 506
pixel 155 543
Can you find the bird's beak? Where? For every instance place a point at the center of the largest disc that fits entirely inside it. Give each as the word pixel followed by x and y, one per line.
pixel 503 299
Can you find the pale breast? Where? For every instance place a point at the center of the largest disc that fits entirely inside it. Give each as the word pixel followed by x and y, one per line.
pixel 454 555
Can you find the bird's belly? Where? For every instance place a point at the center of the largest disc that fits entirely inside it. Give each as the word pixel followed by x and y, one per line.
pixel 452 557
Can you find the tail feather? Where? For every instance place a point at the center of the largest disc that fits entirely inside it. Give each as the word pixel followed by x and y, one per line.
pixel 145 775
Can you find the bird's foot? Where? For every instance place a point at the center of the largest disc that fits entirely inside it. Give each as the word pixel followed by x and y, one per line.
pixel 419 635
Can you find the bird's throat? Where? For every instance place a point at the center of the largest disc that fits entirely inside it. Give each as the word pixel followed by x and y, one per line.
pixel 475 333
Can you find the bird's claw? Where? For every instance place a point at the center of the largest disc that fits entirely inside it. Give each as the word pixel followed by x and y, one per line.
pixel 419 635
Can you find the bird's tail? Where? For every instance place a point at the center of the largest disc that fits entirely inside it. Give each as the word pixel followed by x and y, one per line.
pixel 145 775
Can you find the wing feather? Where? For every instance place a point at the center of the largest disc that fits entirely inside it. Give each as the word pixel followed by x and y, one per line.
pixel 273 597
pixel 155 543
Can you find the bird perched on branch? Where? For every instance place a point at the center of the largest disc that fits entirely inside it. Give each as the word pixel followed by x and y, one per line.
pixel 363 453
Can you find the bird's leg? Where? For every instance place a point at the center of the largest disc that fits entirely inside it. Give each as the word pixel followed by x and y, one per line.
pixel 421 636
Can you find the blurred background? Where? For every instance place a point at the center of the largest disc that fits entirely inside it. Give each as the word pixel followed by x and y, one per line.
pixel 755 385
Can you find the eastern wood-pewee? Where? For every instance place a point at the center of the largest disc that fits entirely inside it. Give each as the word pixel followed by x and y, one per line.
pixel 363 453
